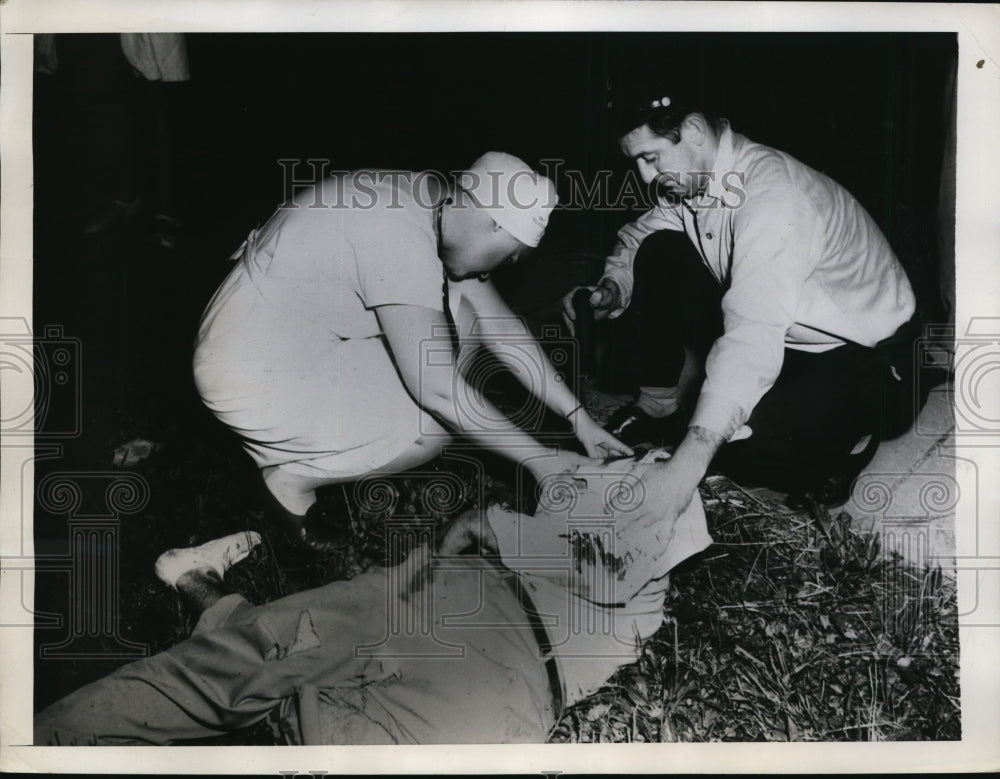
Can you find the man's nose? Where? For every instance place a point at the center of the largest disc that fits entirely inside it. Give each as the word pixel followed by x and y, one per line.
pixel 668 179
pixel 647 172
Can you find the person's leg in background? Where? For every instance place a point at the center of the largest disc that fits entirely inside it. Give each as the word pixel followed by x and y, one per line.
pixel 166 113
pixel 100 86
pixel 675 316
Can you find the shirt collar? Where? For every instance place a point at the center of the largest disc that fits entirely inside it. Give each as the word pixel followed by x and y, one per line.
pixel 724 159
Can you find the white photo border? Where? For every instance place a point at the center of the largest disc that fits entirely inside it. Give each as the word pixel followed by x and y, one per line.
pixel 978 291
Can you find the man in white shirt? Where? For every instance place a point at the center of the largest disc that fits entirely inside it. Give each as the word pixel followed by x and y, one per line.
pixel 786 287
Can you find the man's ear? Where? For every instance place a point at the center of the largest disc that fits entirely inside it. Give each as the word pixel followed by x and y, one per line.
pixel 694 129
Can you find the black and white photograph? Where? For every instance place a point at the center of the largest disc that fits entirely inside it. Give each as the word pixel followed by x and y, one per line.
pixel 419 381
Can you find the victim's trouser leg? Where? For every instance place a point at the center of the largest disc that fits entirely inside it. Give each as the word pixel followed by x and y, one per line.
pixel 240 663
pixel 222 678
pixel 453 662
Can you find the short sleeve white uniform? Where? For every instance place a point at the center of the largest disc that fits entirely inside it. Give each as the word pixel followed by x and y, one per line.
pixel 290 354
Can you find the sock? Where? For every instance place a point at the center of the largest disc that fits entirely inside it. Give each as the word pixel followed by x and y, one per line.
pixel 658 402
pixel 859 447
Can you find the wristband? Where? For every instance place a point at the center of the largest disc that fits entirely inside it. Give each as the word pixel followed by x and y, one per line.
pixel 571 413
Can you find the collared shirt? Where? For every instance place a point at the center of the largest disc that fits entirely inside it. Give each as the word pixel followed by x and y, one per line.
pixel 802 265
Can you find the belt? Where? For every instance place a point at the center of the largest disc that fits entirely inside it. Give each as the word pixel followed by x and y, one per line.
pixel 541 637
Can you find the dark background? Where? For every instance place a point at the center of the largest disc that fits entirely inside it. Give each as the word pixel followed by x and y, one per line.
pixel 867 109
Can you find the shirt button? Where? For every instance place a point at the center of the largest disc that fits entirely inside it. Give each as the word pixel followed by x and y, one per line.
pixel 708 236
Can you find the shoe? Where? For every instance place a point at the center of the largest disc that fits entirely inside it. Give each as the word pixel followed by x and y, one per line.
pixel 633 426
pixel 834 490
pixel 219 555
pixel 327 526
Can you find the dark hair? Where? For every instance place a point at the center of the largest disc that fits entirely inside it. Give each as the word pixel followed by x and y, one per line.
pixel 664 120
pixel 668 123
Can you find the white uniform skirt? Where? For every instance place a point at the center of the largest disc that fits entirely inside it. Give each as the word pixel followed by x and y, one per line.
pixel 310 403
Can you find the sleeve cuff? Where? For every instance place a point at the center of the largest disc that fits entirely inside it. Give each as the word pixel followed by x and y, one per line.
pixel 719 414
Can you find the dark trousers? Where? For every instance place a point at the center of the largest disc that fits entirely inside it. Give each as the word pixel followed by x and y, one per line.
pixel 821 405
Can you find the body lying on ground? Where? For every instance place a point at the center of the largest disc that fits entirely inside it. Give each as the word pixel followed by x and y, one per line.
pixel 444 648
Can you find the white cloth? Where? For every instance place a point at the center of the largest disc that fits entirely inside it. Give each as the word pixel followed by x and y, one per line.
pixel 597 609
pixel 289 353
pixel 803 264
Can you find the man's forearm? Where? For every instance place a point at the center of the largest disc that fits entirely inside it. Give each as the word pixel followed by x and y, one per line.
pixel 695 453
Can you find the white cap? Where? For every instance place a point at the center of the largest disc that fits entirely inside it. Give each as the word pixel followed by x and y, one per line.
pixel 519 199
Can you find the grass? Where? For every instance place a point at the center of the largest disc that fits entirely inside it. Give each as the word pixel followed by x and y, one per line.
pixel 793 626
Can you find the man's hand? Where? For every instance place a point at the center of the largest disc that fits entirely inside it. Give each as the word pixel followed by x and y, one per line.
pixel 605 299
pixel 597 441
pixel 468 528
pixel 669 489
pixel 670 486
